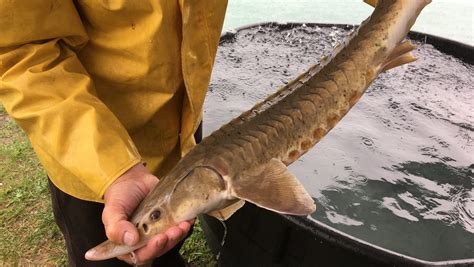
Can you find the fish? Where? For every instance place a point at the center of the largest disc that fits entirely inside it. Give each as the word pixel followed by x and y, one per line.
pixel 246 159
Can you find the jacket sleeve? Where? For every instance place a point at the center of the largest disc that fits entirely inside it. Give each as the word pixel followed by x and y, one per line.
pixel 45 88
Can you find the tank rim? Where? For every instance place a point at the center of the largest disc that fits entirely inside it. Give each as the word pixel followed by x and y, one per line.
pixel 460 50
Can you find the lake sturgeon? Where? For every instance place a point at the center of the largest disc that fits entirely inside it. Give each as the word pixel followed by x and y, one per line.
pixel 246 159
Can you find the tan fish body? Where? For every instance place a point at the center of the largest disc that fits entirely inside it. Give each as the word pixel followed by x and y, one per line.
pixel 246 159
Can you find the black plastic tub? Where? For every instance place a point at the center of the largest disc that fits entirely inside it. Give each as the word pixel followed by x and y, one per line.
pixel 257 237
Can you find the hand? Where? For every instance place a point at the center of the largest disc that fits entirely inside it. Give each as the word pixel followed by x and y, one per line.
pixel 121 199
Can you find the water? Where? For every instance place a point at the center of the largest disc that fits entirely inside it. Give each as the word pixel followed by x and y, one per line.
pixel 397 171
pixel 449 18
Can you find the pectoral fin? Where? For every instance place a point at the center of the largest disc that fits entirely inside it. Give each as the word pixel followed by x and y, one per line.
pixel 225 213
pixel 272 186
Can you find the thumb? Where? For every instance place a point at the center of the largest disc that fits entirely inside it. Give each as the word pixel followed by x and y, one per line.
pixel 121 198
pixel 117 228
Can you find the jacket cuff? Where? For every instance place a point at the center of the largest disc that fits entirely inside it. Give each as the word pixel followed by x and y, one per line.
pixel 116 175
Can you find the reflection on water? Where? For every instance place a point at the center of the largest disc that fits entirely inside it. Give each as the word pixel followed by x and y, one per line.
pixel 430 206
pixel 398 171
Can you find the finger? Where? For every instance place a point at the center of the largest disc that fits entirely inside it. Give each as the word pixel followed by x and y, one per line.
pixel 185 226
pixel 117 228
pixel 154 248
pixel 175 235
pixel 161 243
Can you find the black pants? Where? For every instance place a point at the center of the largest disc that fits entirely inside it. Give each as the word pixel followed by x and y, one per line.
pixel 81 224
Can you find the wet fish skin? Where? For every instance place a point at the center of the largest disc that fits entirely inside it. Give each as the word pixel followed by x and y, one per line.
pixel 245 160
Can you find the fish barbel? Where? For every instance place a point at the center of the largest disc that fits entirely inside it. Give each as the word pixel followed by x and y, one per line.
pixel 246 159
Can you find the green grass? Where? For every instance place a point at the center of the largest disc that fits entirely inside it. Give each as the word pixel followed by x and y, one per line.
pixel 195 249
pixel 28 234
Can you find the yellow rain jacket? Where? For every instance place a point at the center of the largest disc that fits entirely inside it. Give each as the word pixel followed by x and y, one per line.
pixel 99 86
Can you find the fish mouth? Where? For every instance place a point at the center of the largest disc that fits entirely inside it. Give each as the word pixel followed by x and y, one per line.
pixel 108 250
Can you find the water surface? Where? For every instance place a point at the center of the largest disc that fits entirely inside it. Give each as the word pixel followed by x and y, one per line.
pixel 397 171
pixel 448 18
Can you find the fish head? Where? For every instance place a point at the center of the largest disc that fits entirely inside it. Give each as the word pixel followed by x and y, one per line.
pixel 200 190
pixel 180 196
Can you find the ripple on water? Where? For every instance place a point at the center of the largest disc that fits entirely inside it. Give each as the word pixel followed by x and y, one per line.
pixel 336 218
pixel 465 211
pixel 392 205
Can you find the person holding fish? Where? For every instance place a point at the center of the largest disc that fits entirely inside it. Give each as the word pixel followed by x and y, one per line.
pixel 104 88
pixel 110 94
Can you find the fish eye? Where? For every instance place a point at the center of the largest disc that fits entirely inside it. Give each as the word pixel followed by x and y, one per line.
pixel 155 215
